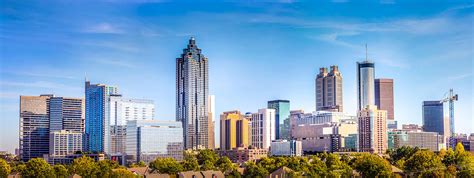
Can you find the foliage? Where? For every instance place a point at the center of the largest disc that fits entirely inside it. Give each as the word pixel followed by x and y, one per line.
pixel 253 170
pixel 425 164
pixel 336 167
pixel 317 168
pixel 400 155
pixel 225 165
pixel 166 166
pixel 37 167
pixel 370 165
pixel 4 168
pixel 190 163
pixel 84 166
pixel 60 171
pixel 207 159
pixel 105 167
pixel 122 173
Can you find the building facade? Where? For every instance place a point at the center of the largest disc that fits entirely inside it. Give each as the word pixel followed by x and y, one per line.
pixel 34 126
pixel 63 143
pixel 97 119
pixel 234 130
pixel 282 115
pixel 211 123
pixel 286 148
pixel 241 155
pixel 192 91
pixel 372 129
pixel 330 137
pixel 329 90
pixel 120 111
pixel 263 128
pixel 423 140
pixel 384 97
pixel 365 84
pixel 436 118
pixel 66 114
pixel 150 139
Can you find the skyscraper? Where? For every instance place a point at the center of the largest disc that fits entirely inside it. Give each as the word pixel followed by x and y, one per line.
pixel 211 122
pixel 372 129
pixel 192 91
pixel 282 114
pixel 66 114
pixel 97 119
pixel 234 130
pixel 263 128
pixel 384 96
pixel 365 84
pixel 436 118
pixel 34 126
pixel 329 90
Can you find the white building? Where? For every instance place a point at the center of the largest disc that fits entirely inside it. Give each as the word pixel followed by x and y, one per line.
pixel 327 137
pixel 263 128
pixel 62 143
pixel 120 111
pixel 286 148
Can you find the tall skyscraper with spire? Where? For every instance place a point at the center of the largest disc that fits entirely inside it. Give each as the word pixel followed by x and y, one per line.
pixel 192 91
pixel 365 83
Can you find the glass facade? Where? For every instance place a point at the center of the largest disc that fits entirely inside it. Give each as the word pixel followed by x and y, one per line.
pixel 435 119
pixel 366 85
pixel 282 113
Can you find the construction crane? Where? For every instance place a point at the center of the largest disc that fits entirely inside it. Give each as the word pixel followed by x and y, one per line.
pixel 450 97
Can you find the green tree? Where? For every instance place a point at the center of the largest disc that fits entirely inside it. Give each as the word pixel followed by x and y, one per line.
pixel 37 167
pixel 166 166
pixel 141 164
pixel 122 173
pixel 208 165
pixel 424 163
pixel 5 168
pixel 336 167
pixel 190 163
pixel 105 167
pixel 370 165
pixel 84 166
pixel 207 159
pixel 317 168
pixel 253 170
pixel 466 166
pixel 60 171
pixel 20 167
pixel 225 165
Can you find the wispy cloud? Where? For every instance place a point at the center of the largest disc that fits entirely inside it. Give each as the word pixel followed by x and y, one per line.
pixel 38 84
pixel 116 62
pixel 460 77
pixel 104 28
pixel 41 75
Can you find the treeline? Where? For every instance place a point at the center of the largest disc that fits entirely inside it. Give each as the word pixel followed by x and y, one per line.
pixel 413 161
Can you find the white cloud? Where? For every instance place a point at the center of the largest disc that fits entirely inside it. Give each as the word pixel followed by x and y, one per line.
pixel 104 27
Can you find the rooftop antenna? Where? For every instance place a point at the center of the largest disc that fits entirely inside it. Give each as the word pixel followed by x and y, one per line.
pixel 366 56
pixel 85 76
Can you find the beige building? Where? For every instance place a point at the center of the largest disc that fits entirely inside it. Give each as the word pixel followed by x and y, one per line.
pixel 211 121
pixel 372 128
pixel 423 140
pixel 242 155
pixel 384 96
pixel 329 90
pixel 234 130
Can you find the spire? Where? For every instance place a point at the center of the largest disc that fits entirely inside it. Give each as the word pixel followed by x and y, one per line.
pixel 192 40
pixel 366 56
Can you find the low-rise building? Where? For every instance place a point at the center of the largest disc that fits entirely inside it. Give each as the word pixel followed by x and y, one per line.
pixel 242 155
pixel 286 148
pixel 424 140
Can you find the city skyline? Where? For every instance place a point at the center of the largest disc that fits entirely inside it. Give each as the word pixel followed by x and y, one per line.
pixel 112 56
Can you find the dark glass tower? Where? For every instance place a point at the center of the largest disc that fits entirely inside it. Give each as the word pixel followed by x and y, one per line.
pixel 282 115
pixel 192 90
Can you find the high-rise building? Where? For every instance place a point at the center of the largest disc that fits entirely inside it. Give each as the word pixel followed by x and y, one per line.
pixel 192 91
pixel 34 126
pixel 372 129
pixel 436 118
pixel 66 114
pixel 234 130
pixel 151 139
pixel 211 122
pixel 97 118
pixel 120 111
pixel 282 116
pixel 329 90
pixel 365 84
pixel 63 143
pixel 384 96
pixel 263 128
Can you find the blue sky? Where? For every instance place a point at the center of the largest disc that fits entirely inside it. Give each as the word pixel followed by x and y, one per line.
pixel 257 52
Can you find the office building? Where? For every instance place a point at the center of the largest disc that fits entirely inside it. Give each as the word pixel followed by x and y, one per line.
pixel 263 128
pixel 384 96
pixel 365 84
pixel 241 155
pixel 66 114
pixel 286 148
pixel 151 139
pixel 423 140
pixel 234 130
pixel 282 116
pixel 211 123
pixel 412 127
pixel 329 90
pixel 97 118
pixel 436 118
pixel 192 92
pixel 34 126
pixel 372 129
pixel 63 143
pixel 120 111
pixel 330 137
pixel 392 124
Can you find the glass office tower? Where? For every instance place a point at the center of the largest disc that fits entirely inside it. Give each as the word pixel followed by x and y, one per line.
pixel 365 84
pixel 282 114
pixel 435 118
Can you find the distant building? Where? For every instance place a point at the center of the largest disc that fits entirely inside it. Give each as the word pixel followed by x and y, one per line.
pixel 330 137
pixel 150 139
pixel 263 128
pixel 423 140
pixel 63 143
pixel 286 148
pixel 192 92
pixel 211 123
pixel 66 114
pixel 34 126
pixel 120 111
pixel 242 155
pixel 372 129
pixel 298 117
pixel 384 97
pixel 234 130
pixel 392 124
pixel 365 84
pixel 68 159
pixel 436 118
pixel 329 90
pixel 282 115
pixel 97 118
pixel 412 127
